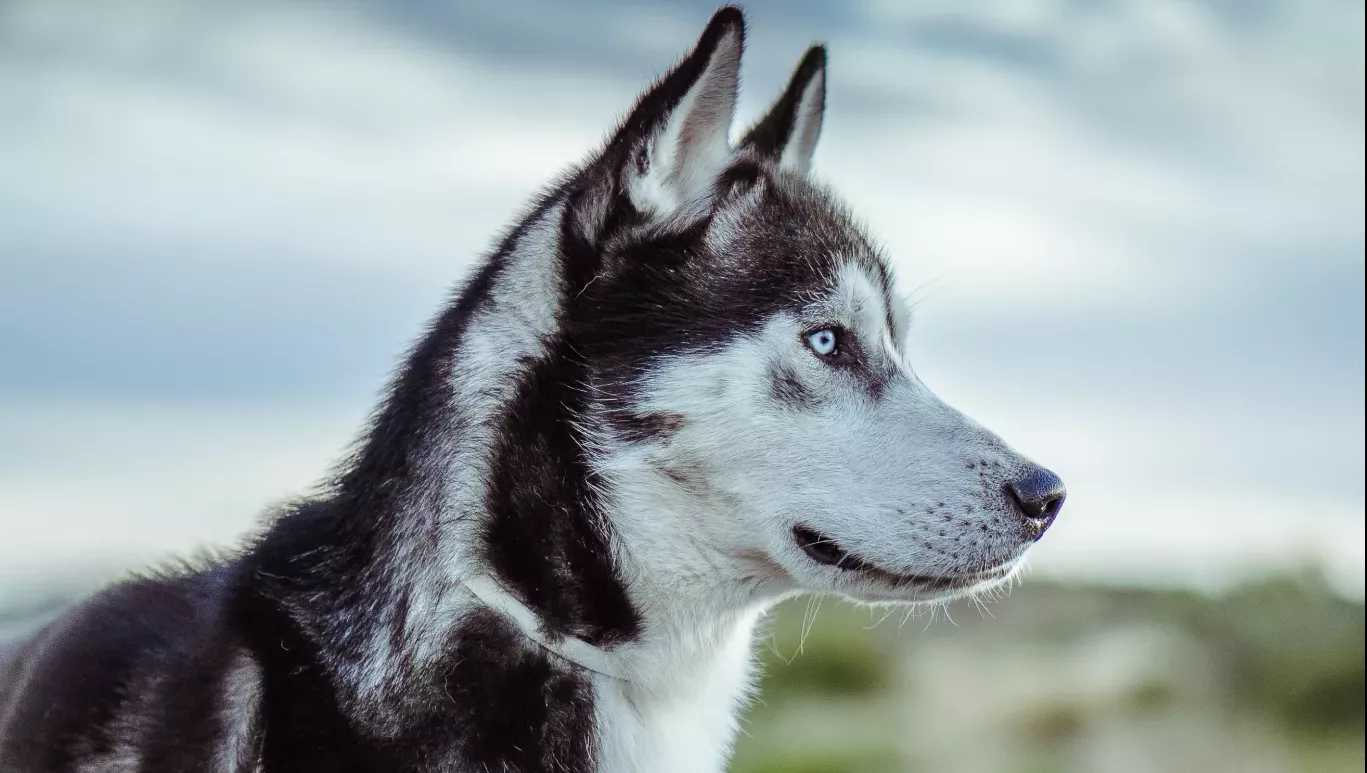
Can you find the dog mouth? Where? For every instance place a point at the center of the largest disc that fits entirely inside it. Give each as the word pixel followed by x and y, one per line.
pixel 826 551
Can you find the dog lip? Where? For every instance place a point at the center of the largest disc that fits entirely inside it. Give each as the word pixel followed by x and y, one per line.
pixel 823 549
pixel 826 551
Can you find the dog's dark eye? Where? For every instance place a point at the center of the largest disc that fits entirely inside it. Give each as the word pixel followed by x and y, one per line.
pixel 824 342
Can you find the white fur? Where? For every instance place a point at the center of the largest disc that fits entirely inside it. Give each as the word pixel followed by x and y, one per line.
pixel 509 331
pixel 797 153
pixel 684 158
pixel 240 695
pixel 861 470
pixel 680 713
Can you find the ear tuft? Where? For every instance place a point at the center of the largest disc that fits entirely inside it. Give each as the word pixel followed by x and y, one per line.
pixel 678 134
pixel 789 131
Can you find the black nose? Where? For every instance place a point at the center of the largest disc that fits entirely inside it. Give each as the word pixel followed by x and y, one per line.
pixel 1039 496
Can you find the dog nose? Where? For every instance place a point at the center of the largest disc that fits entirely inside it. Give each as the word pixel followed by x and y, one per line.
pixel 1039 495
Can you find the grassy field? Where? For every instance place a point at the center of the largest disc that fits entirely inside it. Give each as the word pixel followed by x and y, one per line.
pixel 1056 679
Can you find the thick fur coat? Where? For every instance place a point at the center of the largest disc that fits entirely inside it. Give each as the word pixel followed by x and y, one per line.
pixel 674 393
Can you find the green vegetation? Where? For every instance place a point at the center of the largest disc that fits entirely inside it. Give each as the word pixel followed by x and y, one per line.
pixel 1269 676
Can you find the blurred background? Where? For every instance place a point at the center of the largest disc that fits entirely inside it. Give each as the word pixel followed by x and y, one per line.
pixel 1134 232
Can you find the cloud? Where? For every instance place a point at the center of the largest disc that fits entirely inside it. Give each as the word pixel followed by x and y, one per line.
pixel 1134 231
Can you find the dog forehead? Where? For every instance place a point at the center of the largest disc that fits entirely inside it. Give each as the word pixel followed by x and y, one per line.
pixel 790 234
pixel 856 296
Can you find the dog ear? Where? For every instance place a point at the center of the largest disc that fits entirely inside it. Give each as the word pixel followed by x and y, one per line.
pixel 677 139
pixel 788 133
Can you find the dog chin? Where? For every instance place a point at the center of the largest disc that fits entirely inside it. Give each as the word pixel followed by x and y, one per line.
pixel 852 575
pixel 884 587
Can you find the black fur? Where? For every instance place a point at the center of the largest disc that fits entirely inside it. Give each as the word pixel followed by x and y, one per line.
pixel 788 389
pixel 521 711
pixel 772 133
pixel 644 428
pixel 545 536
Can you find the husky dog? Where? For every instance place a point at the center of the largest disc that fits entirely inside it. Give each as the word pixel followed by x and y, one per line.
pixel 675 393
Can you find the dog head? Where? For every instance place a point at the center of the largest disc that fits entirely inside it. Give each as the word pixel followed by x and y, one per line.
pixel 751 405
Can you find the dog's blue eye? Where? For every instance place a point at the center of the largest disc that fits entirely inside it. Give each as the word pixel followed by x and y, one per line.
pixel 823 342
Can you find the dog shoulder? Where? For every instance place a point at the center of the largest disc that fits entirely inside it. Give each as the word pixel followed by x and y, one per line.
pixel 129 680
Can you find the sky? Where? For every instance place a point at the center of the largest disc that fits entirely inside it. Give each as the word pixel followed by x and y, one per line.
pixel 1133 233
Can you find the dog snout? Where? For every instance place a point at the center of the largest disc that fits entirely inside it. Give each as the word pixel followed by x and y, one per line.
pixel 1038 494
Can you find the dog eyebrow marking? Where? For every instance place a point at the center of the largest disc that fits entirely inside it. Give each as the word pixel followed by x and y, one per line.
pixel 788 389
pixel 645 427
pixel 860 300
pixel 888 296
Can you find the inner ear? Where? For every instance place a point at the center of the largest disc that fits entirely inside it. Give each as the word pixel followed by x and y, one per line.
pixel 787 134
pixel 678 134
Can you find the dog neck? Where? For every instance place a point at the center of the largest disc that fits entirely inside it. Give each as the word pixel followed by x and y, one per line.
pixel 439 504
